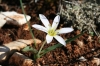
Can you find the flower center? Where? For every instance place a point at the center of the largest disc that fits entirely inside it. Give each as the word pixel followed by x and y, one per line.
pixel 52 32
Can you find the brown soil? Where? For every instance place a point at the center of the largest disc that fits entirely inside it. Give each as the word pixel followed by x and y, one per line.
pixel 63 56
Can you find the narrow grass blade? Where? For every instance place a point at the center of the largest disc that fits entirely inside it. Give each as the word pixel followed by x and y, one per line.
pixel 58 45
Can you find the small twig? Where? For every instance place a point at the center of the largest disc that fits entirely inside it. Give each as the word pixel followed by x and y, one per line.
pixel 94 31
pixel 71 2
pixel 9 17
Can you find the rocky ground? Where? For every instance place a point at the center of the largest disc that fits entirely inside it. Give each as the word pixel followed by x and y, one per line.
pixel 83 51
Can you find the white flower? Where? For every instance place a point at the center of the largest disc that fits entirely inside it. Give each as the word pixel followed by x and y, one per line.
pixel 51 30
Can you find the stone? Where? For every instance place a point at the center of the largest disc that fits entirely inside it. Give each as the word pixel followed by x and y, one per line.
pixel 21 60
pixel 14 18
pixel 6 50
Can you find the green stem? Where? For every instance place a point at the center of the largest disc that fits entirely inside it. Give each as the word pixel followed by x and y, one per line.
pixel 27 21
pixel 41 47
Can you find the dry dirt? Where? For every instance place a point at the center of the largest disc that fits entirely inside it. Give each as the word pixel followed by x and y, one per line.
pixel 85 45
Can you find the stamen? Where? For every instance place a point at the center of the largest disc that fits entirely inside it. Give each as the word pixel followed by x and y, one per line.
pixel 52 32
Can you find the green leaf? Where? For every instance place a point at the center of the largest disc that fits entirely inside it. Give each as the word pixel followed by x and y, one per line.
pixel 50 49
pixel 91 33
pixel 57 45
pixel 75 37
pixel 29 48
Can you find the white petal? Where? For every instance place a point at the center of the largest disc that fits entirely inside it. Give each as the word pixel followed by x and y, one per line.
pixel 56 22
pixel 64 30
pixel 44 20
pixel 49 38
pixel 39 27
pixel 60 40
